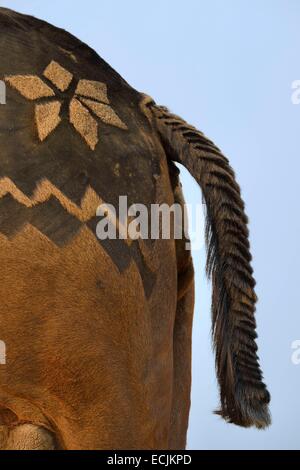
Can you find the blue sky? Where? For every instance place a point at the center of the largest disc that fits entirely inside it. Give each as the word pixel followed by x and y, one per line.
pixel 227 67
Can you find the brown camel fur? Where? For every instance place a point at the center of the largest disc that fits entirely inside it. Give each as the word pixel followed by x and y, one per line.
pixel 98 332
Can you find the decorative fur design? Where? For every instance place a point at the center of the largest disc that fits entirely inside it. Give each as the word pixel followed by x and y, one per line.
pixel 90 98
pixel 60 219
pixel 84 123
pixel 45 190
pixel 98 333
pixel 29 86
pixel 47 118
pixel 105 113
pixel 244 397
pixel 58 75
pixel 92 89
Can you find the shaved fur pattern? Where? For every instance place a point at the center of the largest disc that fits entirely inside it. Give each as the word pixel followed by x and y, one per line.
pixel 98 331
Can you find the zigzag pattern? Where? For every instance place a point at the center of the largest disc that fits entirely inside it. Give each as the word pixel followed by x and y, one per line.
pixel 60 220
pixel 45 191
pixel 50 218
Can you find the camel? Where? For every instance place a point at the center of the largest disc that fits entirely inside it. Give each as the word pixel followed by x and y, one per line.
pixel 97 333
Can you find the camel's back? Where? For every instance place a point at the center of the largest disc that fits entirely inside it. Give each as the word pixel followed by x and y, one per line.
pixel 77 313
pixel 69 119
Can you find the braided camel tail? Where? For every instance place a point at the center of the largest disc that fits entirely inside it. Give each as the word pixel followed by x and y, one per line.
pixel 244 396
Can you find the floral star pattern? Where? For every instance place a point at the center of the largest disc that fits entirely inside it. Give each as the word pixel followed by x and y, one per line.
pixel 89 102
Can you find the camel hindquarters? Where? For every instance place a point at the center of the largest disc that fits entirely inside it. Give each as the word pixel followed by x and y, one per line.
pixel 26 437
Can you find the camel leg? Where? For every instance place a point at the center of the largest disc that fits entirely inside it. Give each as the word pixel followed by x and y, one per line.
pixel 182 333
pixel 182 338
pixel 26 437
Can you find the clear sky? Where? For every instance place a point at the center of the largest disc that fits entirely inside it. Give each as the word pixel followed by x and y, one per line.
pixel 226 66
